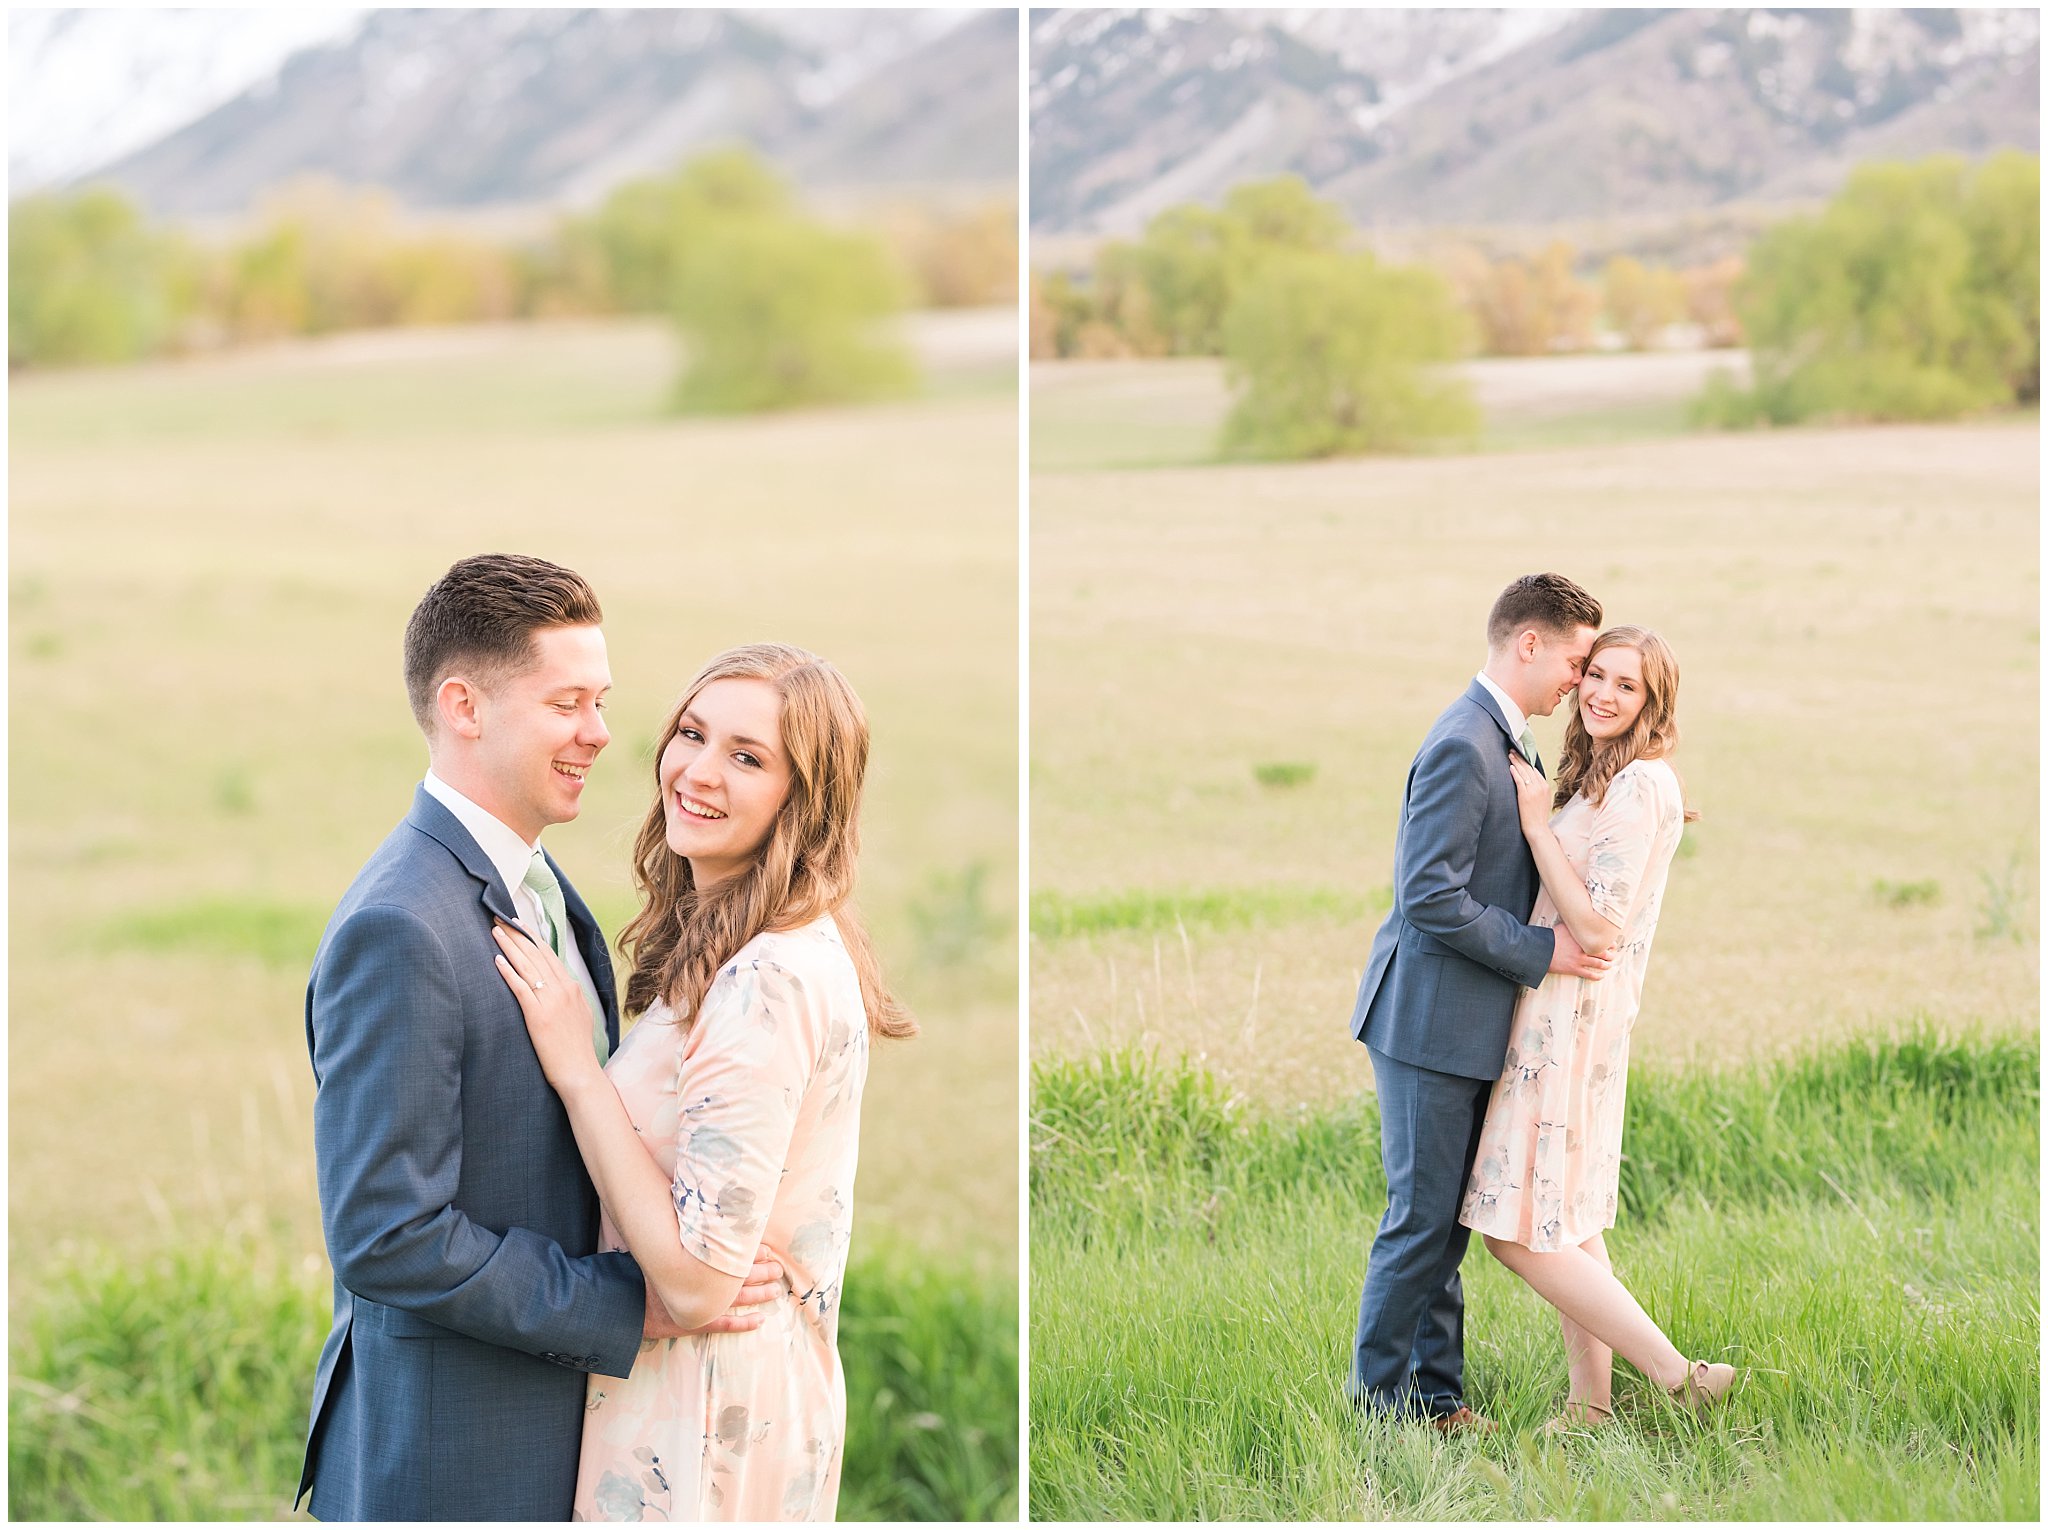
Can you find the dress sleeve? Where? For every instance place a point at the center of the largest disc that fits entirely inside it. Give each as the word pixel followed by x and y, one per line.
pixel 1625 830
pixel 739 1091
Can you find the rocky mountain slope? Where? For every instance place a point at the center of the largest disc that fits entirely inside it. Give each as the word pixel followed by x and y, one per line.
pixel 1472 116
pixel 464 109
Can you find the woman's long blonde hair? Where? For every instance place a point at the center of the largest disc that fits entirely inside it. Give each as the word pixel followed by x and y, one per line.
pixel 1589 764
pixel 682 936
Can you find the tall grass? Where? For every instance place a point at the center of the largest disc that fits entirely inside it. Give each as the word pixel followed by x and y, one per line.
pixel 168 1388
pixel 1857 1230
pixel 1061 916
pixel 931 1387
pixel 176 1387
pixel 280 935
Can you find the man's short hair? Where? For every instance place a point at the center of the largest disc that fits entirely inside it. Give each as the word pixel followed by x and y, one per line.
pixel 1549 601
pixel 479 620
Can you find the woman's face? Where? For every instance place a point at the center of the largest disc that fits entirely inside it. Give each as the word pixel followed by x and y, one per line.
pixel 724 777
pixel 1612 694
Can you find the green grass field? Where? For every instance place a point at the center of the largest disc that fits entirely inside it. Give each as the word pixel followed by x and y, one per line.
pixel 1231 668
pixel 1857 1230
pixel 198 1361
pixel 211 565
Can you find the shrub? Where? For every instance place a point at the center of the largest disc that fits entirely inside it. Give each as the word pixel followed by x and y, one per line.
pixel 1913 296
pixel 88 282
pixel 1641 300
pixel 1283 773
pixel 1169 292
pixel 1329 353
pixel 959 260
pixel 1529 308
pixel 775 309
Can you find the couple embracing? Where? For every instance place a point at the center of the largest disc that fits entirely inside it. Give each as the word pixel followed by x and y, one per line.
pixel 1497 1005
pixel 575 1276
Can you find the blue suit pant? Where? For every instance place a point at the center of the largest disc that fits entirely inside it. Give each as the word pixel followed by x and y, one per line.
pixel 1410 1352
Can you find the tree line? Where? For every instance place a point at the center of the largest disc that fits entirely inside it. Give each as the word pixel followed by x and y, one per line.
pixel 1165 294
pixel 1913 295
pixel 776 305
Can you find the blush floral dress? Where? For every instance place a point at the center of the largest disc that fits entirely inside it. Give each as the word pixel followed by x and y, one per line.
pixel 754 1113
pixel 1549 1158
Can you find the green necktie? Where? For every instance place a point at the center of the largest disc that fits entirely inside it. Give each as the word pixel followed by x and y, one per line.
pixel 549 890
pixel 1528 743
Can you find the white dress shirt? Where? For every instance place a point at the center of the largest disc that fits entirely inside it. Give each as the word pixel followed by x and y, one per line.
pixel 509 856
pixel 1517 723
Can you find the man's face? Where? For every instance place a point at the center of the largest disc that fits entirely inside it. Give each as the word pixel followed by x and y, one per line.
pixel 540 730
pixel 1555 667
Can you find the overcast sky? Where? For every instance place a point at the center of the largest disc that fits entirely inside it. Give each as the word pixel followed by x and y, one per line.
pixel 87 86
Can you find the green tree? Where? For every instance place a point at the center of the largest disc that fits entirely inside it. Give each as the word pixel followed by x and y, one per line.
pixel 88 281
pixel 1913 296
pixel 1333 353
pixel 2002 218
pixel 268 290
pixel 1183 263
pixel 778 311
pixel 643 227
pixel 1281 214
pixel 1058 311
pixel 1193 259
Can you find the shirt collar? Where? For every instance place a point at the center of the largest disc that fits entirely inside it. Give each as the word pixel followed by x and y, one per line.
pixel 1517 723
pixel 508 853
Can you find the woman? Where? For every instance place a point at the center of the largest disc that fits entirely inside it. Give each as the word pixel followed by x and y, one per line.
pixel 726 1125
pixel 1543 1184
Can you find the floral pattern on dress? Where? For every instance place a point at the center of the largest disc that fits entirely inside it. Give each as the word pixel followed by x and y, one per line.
pixel 1548 1168
pixel 754 1113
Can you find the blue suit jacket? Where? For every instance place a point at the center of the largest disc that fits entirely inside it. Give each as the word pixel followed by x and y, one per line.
pixel 1446 968
pixel 469 1298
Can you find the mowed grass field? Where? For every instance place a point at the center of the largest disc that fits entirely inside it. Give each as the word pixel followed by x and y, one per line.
pixel 1166 413
pixel 1232 666
pixel 211 565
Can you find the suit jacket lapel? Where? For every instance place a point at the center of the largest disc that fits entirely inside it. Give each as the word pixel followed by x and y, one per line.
pixel 442 826
pixel 596 955
pixel 437 823
pixel 1487 702
pixel 1479 693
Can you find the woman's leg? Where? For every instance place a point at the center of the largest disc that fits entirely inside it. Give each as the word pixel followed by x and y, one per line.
pixel 1591 1362
pixel 1584 1289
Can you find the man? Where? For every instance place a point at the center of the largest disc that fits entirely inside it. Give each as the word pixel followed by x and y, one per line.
pixel 469 1296
pixel 1440 990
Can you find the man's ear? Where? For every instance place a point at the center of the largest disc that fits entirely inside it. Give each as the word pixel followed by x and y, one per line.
pixel 459 704
pixel 1526 644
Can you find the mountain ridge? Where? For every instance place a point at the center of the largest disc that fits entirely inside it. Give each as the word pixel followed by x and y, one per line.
pixel 471 110
pixel 1419 117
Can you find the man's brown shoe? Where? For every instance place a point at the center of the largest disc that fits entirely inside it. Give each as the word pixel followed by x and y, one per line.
pixel 1464 1421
